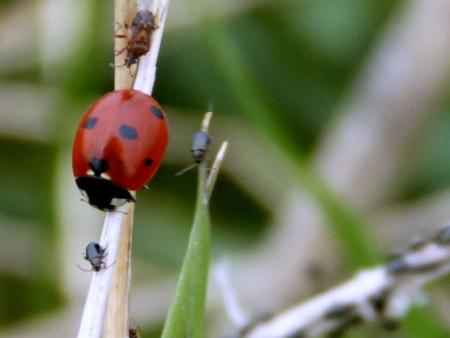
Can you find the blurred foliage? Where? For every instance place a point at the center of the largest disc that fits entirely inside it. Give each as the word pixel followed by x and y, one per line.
pixel 301 54
pixel 432 168
pixel 169 231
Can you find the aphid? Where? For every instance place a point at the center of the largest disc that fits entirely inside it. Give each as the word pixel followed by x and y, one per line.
pixel 379 300
pixel 443 236
pixel 397 266
pixel 339 311
pixel 200 144
pixel 95 254
pixel 199 148
pixel 118 147
pixel 139 36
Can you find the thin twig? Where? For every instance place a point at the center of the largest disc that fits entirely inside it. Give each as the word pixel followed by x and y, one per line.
pixel 381 294
pixel 212 177
pixel 145 77
pixel 117 311
pixel 109 289
pixel 206 121
pixel 96 305
pixel 232 306
pixel 93 318
pixel 123 78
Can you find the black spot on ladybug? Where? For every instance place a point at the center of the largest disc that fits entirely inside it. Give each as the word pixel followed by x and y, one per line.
pixel 148 162
pixel 127 132
pixel 157 112
pixel 99 166
pixel 90 123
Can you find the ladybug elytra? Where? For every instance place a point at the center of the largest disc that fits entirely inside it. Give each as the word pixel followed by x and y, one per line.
pixel 118 147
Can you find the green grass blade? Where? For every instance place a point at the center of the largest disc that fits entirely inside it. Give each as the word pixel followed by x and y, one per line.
pixel 186 314
pixel 347 226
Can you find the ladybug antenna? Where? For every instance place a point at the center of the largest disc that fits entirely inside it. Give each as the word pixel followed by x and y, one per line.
pixel 182 171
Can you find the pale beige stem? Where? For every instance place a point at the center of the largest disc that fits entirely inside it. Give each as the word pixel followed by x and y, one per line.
pixel 123 9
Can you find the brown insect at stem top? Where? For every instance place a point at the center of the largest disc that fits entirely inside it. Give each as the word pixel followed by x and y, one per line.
pixel 139 36
pixel 133 332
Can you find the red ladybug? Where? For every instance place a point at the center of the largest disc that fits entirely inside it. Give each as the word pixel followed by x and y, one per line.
pixel 118 147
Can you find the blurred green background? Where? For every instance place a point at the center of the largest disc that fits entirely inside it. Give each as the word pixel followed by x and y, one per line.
pixel 281 75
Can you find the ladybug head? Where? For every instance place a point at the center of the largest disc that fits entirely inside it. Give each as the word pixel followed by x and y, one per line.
pixel 102 193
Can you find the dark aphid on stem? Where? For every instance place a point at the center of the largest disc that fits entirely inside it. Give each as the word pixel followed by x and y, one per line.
pixel 95 254
pixel 139 36
pixel 199 148
pixel 443 236
pixel 200 144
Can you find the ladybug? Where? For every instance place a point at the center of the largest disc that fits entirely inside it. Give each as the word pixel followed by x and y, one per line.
pixel 118 147
pixel 95 254
pixel 139 36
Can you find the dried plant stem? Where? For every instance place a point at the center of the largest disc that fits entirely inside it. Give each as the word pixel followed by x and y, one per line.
pixel 117 310
pixel 145 77
pixel 379 295
pixel 106 306
pixel 212 177
pixel 122 76
pixel 231 303
pixel 93 318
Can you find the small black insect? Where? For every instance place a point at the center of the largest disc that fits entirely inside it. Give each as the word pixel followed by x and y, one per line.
pixel 199 148
pixel 443 236
pixel 397 266
pixel 95 254
pixel 200 144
